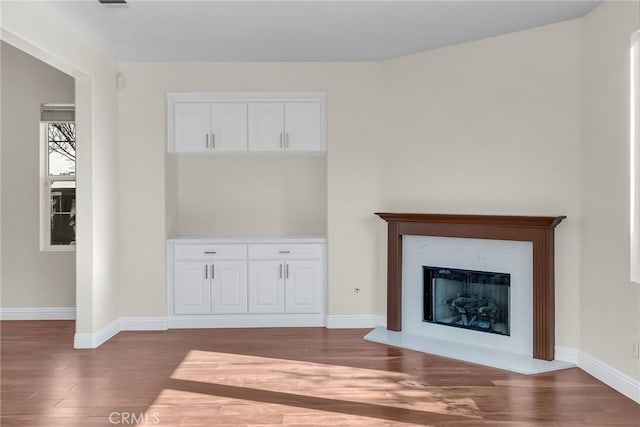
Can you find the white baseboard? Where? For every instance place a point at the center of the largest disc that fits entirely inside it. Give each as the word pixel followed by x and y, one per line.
pixel 355 321
pixel 96 339
pixel 143 323
pixel 567 354
pixel 248 321
pixel 615 379
pixel 38 313
pixel 612 377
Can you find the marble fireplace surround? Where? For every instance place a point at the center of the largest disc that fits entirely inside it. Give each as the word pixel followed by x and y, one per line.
pixel 537 230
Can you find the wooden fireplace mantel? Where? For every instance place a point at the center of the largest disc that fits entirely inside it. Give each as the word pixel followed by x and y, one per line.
pixel 536 229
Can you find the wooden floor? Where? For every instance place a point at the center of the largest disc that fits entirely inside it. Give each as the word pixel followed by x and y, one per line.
pixel 276 377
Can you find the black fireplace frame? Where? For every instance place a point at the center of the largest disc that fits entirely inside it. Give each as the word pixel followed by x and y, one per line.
pixel 465 276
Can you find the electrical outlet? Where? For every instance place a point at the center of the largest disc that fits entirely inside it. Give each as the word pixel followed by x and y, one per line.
pixel 636 347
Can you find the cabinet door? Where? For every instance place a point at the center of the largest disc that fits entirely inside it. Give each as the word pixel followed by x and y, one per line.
pixel 303 287
pixel 192 127
pixel 229 126
pixel 303 126
pixel 266 126
pixel 191 288
pixel 228 287
pixel 266 287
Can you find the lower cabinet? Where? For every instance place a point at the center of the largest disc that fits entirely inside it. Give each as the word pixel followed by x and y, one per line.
pixel 266 287
pixel 284 286
pixel 302 286
pixel 210 288
pixel 228 287
pixel 249 281
pixel 192 288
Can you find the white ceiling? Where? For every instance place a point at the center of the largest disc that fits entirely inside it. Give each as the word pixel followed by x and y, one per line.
pixel 148 30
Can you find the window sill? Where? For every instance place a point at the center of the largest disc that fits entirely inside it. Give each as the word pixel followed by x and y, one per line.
pixel 59 248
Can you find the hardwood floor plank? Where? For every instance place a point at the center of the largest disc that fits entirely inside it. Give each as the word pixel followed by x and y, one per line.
pixel 278 377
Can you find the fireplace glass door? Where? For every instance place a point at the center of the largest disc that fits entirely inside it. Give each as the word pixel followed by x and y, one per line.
pixel 477 300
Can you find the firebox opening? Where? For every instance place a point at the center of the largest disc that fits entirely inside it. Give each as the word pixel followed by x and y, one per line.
pixel 477 300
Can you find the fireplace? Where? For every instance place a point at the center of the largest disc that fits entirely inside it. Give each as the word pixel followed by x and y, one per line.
pixel 468 299
pixel 538 231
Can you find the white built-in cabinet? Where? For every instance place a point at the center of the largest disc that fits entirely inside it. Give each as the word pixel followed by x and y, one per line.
pixel 229 282
pixel 212 279
pixel 194 294
pixel 210 127
pixel 210 287
pixel 285 278
pixel 285 126
pixel 266 294
pixel 219 123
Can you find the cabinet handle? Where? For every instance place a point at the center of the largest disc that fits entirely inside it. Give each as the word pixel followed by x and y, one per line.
pixel 209 252
pixel 281 271
pixel 206 271
pixel 286 140
pixel 284 252
pixel 280 140
pixel 213 271
pixel 213 140
pixel 287 271
pixel 207 142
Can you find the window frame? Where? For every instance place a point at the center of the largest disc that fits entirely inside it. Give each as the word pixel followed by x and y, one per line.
pixel 45 184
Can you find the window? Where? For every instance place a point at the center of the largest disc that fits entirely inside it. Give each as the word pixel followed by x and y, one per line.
pixel 58 178
pixel 634 157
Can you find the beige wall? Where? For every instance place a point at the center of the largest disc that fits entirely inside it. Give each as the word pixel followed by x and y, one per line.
pixel 30 278
pixel 404 135
pixel 492 127
pixel 164 194
pixel 254 195
pixel 31 27
pixel 610 301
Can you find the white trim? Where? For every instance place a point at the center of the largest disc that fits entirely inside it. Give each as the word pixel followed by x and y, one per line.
pixel 247 321
pixel 94 340
pixel 143 323
pixel 38 313
pixel 43 203
pixel 567 354
pixel 244 240
pixel 355 321
pixel 246 96
pixel 612 377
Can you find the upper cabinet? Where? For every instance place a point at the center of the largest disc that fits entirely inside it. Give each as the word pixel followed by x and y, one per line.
pixel 201 127
pixel 287 126
pixel 216 123
pixel 228 126
pixel 192 127
pixel 266 126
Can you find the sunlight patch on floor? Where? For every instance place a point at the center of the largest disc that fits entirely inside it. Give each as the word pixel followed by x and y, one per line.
pixel 343 384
